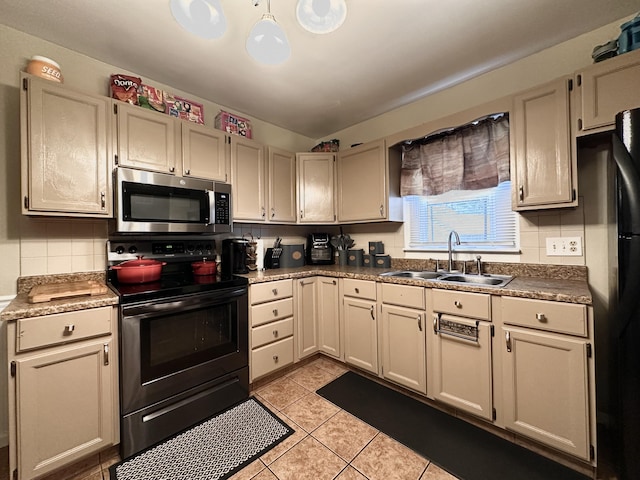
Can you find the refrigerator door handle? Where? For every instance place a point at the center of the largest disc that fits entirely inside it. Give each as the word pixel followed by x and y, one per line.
pixel 630 180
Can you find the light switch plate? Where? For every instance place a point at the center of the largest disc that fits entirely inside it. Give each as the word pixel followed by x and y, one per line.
pixel 564 246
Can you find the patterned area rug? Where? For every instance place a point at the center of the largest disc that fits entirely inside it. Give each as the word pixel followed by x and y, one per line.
pixel 212 450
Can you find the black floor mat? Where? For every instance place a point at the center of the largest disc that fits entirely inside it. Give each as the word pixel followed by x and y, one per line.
pixel 462 449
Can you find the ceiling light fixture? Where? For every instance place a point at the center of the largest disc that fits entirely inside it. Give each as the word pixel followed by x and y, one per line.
pixel 203 18
pixel 267 42
pixel 321 16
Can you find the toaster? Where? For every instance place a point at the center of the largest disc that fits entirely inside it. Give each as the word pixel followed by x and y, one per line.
pixel 319 249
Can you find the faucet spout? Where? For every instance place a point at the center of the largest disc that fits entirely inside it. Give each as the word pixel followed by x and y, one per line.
pixel 452 234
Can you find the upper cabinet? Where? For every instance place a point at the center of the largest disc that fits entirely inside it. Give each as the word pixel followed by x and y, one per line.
pixel 153 141
pixel 316 187
pixel 281 188
pixel 65 151
pixel 544 171
pixel 604 89
pixel 369 184
pixel 248 175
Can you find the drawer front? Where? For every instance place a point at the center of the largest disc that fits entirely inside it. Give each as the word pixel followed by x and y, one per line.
pixel 467 304
pixel 271 357
pixel 271 332
pixel 38 332
pixel 403 295
pixel 359 288
pixel 559 317
pixel 265 292
pixel 268 312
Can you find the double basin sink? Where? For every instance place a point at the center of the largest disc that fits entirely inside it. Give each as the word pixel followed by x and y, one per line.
pixel 453 277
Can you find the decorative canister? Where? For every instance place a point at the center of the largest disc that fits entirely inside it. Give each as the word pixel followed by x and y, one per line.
pixel 44 67
pixel 354 257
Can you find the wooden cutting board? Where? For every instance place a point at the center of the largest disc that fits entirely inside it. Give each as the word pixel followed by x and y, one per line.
pixel 55 291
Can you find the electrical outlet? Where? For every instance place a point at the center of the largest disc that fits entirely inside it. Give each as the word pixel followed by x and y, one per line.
pixel 564 246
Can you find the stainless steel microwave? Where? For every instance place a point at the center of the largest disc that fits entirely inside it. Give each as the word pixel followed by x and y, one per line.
pixel 148 202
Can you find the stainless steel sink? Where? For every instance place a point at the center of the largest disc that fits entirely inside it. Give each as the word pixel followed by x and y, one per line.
pixel 412 274
pixel 485 280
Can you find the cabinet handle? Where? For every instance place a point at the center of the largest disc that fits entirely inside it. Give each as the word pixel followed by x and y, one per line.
pixel 187 172
pixel 435 323
pixel 275 312
pixel 275 333
pixel 357 290
pixel 420 322
pixel 172 169
pixel 521 193
pixel 275 358
pixel 273 213
pixel 301 214
pixel 541 317
pixel 103 200
pixel 508 339
pixel 68 329
pixel 457 304
pixel 372 316
pixel 334 282
pixel 263 212
pixel 275 291
pixel 382 210
pixel 105 349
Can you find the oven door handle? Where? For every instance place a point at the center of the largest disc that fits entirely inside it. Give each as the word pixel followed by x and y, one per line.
pixel 220 297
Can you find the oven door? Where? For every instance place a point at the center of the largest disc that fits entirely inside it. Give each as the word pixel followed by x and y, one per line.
pixel 170 346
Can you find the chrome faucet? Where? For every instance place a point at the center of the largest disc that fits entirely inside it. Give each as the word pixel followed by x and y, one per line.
pixel 452 233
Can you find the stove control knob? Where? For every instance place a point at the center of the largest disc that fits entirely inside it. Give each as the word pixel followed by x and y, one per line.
pixel 119 249
pixel 208 247
pixel 190 247
pixel 133 249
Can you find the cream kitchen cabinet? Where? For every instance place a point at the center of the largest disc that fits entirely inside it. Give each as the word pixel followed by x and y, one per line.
pixel 271 320
pixel 460 369
pixel 307 307
pixel 328 315
pixel 63 389
pixel 604 89
pixel 359 314
pixel 316 188
pixel 547 374
pixel 544 169
pixel 153 141
pixel 369 184
pixel 403 336
pixel 281 185
pixel 66 151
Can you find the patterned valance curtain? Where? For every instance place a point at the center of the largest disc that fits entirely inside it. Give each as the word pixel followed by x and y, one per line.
pixel 471 157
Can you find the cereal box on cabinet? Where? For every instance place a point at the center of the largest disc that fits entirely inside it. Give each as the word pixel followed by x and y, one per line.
pixel 183 108
pixel 233 124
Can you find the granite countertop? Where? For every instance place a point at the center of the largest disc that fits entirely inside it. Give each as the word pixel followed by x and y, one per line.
pixel 21 308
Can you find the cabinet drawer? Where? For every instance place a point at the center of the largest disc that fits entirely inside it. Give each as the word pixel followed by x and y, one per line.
pixel 268 312
pixel 271 357
pixel 265 292
pixel 38 332
pixel 359 288
pixel 403 295
pixel 472 305
pixel 559 317
pixel 271 332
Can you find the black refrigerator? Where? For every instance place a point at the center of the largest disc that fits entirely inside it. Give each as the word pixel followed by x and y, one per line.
pixel 625 330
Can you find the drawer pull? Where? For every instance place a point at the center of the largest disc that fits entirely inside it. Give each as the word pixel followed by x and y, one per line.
pixel 275 312
pixel 275 291
pixel 275 358
pixel 457 304
pixel 357 290
pixel 275 333
pixel 68 329
pixel 508 339
pixel 105 349
pixel 334 282
pixel 541 317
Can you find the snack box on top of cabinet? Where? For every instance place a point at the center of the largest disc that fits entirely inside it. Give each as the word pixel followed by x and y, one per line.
pixel 233 124
pixel 183 108
pixel 151 98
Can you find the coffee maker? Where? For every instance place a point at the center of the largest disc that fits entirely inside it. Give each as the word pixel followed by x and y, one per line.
pixel 319 249
pixel 234 256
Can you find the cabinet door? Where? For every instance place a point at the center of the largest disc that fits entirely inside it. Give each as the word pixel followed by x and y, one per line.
pixel 361 334
pixel 546 389
pixel 147 140
pixel 544 166
pixel 247 179
pixel 65 407
pixel 316 177
pixel 204 152
pixel 608 87
pixel 65 154
pixel 282 185
pixel 403 347
pixel 461 368
pixel 362 183
pixel 328 315
pixel 307 335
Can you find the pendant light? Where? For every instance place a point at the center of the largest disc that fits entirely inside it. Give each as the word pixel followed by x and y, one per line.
pixel 203 18
pixel 321 16
pixel 267 43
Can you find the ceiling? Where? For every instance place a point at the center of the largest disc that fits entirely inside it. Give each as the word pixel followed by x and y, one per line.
pixel 386 54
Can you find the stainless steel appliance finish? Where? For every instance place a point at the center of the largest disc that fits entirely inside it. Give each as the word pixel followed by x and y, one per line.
pixel 319 249
pixel 148 202
pixel 183 342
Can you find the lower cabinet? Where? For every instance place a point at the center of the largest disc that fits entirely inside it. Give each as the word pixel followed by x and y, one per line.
pixel 63 384
pixel 307 334
pixel 360 324
pixel 403 336
pixel 328 315
pixel 271 320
